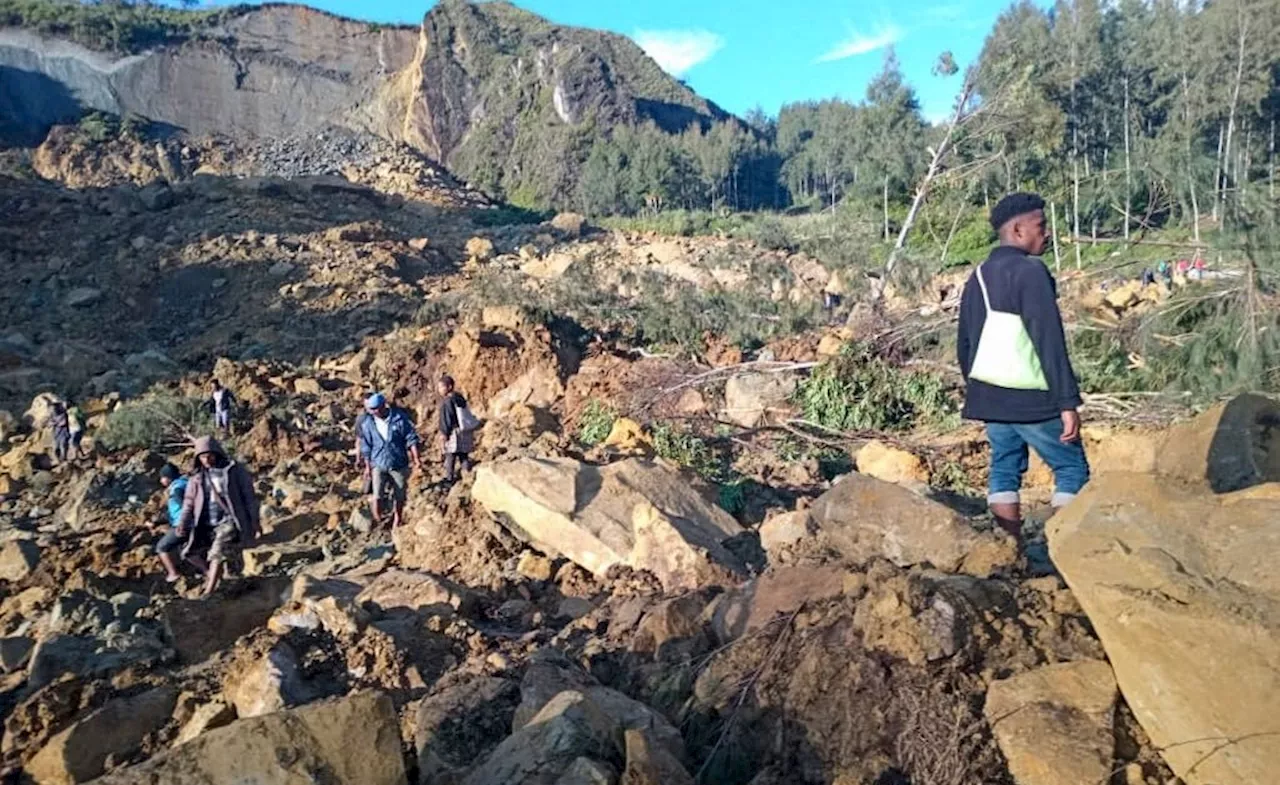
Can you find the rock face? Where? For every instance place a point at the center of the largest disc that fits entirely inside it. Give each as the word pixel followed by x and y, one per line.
pixel 443 88
pixel 1231 446
pixel 354 740
pixel 862 517
pixel 1054 724
pixel 748 398
pixel 633 513
pixel 1182 589
pixel 78 753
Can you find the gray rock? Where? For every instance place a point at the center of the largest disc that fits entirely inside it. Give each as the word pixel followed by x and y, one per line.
pixel 82 296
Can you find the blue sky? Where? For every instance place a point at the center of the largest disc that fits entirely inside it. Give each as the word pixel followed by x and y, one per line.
pixel 743 53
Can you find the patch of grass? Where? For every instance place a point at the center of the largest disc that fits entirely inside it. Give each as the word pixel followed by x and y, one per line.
pixel 859 391
pixel 128 27
pixel 153 421
pixel 595 423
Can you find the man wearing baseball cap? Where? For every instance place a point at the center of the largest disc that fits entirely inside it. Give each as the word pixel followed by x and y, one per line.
pixel 387 442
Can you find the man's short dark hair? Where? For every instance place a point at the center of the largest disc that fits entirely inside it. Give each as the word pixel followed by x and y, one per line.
pixel 1014 205
pixel 447 381
pixel 170 472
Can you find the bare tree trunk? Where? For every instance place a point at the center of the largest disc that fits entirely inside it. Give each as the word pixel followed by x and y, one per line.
pixel 1242 33
pixel 1053 227
pixel 1217 176
pixel 958 118
pixel 886 208
pixel 955 224
pixel 1191 172
pixel 1271 162
pixel 1075 207
pixel 1128 171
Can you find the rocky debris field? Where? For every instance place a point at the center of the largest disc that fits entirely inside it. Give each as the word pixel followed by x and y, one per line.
pixel 601 600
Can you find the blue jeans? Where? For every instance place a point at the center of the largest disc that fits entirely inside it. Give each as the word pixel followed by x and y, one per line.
pixel 1009 457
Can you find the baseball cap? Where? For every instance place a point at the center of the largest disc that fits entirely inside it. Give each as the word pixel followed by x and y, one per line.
pixel 375 401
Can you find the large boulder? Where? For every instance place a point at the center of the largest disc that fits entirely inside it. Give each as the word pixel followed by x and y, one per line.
pixel 410 590
pixel 1231 446
pixel 353 740
pixel 1055 724
pixel 760 601
pixel 460 725
pixel 750 397
pixel 633 513
pixel 18 558
pixel 1182 589
pixel 569 727
pixel 862 518
pixel 198 628
pixel 79 753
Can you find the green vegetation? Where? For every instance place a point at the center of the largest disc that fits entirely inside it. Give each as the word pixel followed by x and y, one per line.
pixel 147 423
pixel 124 27
pixel 595 423
pixel 712 463
pixel 859 391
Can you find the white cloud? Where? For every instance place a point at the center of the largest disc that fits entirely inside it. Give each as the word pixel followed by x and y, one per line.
pixel 859 44
pixel 678 50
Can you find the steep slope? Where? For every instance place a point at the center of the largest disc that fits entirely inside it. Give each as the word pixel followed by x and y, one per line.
pixel 501 96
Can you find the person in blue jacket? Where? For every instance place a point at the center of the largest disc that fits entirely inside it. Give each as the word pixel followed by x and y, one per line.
pixel 174 483
pixel 387 442
pixel 1026 392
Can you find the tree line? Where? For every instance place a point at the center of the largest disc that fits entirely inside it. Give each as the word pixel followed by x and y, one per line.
pixel 1128 114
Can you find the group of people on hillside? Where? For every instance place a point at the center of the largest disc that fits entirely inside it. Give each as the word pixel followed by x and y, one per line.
pixel 212 511
pixel 1011 347
pixel 1174 272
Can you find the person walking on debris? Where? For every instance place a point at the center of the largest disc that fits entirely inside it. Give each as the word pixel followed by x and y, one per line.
pixel 175 488
pixel 60 421
pixel 75 427
pixel 1013 355
pixel 457 429
pixel 218 507
pixel 832 295
pixel 221 402
pixel 387 442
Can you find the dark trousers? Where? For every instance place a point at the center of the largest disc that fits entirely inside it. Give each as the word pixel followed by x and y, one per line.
pixel 451 460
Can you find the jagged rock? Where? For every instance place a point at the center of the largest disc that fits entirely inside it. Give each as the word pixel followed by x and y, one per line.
pixel 673 629
pixel 632 512
pixel 83 296
pixel 480 249
pixel 548 676
pixel 569 224
pixel 18 558
pixel 1231 446
pixel 1181 587
pixel 1054 724
pixel 353 740
pixel 649 763
pixel 268 683
pixel 759 601
pixel 863 518
pixel 83 655
pixel 206 717
pixel 534 567
pixel 284 555
pixel 15 650
pixel 416 591
pixel 585 771
pixel 199 629
pixel 79 753
pixel 785 529
pixel 750 397
pixel 568 727
pixel 460 725
pixel 891 464
pixel 291 527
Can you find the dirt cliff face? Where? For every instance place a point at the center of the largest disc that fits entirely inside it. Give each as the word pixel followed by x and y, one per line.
pixel 473 85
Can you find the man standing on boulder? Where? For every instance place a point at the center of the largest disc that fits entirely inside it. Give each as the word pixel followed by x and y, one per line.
pixel 1013 354
pixel 387 442
pixel 219 499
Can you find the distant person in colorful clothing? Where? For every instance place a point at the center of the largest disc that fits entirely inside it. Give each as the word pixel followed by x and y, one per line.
pixel 457 429
pixel 221 402
pixel 175 490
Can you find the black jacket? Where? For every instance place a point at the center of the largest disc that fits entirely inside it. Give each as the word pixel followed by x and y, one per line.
pixel 1020 284
pixel 448 414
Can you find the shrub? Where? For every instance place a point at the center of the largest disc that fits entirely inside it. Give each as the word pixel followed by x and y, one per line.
pixel 154 421
pixel 595 423
pixel 858 391
pixel 99 126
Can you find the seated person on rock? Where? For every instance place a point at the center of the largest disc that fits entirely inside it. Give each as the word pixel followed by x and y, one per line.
pixel 175 489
